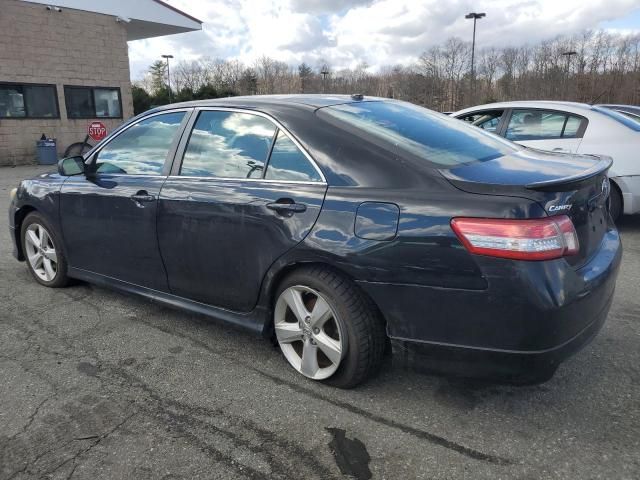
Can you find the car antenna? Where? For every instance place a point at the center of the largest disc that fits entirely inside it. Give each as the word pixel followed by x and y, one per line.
pixel 357 96
pixel 600 95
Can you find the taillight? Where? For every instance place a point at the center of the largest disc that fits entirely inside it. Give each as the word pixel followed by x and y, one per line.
pixel 530 239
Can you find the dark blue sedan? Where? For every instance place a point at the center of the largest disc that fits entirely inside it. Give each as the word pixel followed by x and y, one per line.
pixel 338 226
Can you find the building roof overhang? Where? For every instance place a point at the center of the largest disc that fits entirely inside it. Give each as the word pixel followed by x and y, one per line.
pixel 141 18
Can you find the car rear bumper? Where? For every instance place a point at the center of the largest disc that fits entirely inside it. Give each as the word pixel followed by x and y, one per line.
pixel 532 316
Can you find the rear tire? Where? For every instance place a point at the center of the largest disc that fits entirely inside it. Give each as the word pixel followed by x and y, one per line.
pixel 355 327
pixel 43 252
pixel 615 202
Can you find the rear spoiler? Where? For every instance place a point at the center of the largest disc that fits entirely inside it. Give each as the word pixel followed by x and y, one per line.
pixel 603 164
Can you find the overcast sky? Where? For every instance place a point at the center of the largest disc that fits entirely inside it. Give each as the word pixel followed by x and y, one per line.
pixel 378 32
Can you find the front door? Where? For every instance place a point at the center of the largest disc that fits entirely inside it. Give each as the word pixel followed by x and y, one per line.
pixel 244 195
pixel 109 218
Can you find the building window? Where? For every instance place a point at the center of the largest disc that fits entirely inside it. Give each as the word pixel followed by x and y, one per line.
pixel 92 102
pixel 23 100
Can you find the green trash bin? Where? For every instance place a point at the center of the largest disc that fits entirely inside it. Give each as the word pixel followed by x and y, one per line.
pixel 47 151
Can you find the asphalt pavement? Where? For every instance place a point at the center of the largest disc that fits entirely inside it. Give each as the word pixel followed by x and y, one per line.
pixel 95 384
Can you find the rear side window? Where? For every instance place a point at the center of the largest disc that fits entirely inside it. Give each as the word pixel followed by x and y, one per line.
pixel 542 125
pixel 142 148
pixel 442 140
pixel 228 145
pixel 287 162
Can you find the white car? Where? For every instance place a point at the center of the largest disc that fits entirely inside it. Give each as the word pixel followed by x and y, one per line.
pixel 569 127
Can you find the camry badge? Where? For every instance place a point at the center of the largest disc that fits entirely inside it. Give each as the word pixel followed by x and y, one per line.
pixel 559 208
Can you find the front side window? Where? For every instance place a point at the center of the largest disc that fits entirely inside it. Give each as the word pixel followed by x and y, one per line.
pixel 542 125
pixel 92 102
pixel 443 141
pixel 28 101
pixel 287 162
pixel 487 120
pixel 228 145
pixel 142 149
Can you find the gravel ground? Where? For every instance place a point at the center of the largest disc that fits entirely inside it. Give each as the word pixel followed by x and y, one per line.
pixel 95 384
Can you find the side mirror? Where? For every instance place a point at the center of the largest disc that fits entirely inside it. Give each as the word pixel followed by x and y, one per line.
pixel 71 166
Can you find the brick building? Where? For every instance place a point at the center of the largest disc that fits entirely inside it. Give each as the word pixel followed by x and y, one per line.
pixel 65 63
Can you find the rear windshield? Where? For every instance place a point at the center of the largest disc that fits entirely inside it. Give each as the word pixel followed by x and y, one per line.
pixel 441 140
pixel 620 118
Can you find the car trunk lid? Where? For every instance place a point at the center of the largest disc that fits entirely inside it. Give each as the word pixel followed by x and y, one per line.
pixel 572 185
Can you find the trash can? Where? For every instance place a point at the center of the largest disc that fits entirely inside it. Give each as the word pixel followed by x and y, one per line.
pixel 47 153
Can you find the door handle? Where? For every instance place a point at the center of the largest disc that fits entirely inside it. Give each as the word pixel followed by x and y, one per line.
pixel 287 206
pixel 561 150
pixel 142 196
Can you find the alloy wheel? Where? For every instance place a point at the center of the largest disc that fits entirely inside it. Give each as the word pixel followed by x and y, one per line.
pixel 308 332
pixel 41 252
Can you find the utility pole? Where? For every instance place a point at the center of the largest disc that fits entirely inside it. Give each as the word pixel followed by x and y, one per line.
pixel 167 57
pixel 324 72
pixel 475 17
pixel 566 79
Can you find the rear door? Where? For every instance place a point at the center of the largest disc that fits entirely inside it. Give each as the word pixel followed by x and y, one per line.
pixel 109 219
pixel 242 193
pixel 545 129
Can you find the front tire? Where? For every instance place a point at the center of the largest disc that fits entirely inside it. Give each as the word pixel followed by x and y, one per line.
pixel 327 329
pixel 43 252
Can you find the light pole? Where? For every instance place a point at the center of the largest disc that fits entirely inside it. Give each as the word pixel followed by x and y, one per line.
pixel 167 57
pixel 566 80
pixel 476 17
pixel 324 72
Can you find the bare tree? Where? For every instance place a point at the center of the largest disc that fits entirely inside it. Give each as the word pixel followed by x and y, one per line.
pixel 605 67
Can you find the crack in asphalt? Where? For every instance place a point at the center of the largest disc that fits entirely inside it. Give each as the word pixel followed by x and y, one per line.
pixel 416 432
pixel 185 414
pixel 81 453
pixel 29 420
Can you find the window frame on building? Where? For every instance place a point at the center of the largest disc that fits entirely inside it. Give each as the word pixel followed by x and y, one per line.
pixel 26 116
pixel 92 89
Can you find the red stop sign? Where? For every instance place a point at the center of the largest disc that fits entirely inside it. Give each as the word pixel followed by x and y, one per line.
pixel 97 130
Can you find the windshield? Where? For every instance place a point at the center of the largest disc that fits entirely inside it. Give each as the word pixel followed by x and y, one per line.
pixel 620 118
pixel 632 116
pixel 431 136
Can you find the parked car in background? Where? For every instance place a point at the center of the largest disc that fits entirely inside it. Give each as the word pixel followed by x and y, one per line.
pixel 630 111
pixel 333 224
pixel 568 127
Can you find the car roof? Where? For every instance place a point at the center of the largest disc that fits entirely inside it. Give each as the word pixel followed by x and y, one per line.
pixel 304 101
pixel 553 104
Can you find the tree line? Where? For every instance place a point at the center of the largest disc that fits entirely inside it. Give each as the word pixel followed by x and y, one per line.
pixel 592 67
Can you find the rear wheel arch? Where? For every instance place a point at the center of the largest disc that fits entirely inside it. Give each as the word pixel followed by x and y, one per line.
pixel 358 319
pixel 287 270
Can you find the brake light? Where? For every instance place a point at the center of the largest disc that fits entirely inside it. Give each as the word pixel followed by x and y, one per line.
pixel 530 239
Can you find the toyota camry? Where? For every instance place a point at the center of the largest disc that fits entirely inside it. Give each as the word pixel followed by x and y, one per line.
pixel 341 227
